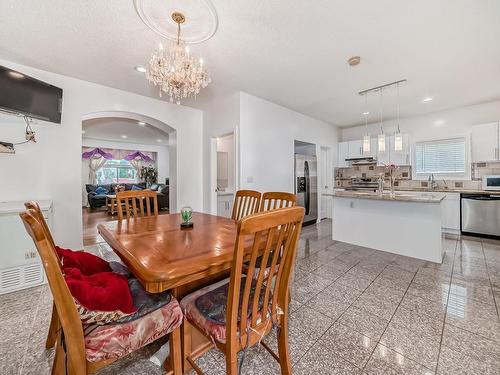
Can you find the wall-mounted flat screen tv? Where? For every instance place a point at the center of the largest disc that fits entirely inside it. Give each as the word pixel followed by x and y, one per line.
pixel 28 96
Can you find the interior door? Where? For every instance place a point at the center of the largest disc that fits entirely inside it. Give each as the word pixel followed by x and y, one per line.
pixel 325 181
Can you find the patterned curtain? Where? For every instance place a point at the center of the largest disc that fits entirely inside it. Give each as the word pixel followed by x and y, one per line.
pixel 95 163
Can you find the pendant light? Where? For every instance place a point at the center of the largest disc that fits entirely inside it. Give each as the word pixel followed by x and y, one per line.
pixel 381 136
pixel 398 137
pixel 366 137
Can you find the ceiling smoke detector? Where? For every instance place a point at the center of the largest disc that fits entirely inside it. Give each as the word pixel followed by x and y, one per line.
pixel 353 61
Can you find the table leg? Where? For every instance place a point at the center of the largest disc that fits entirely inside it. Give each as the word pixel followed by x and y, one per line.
pixel 113 203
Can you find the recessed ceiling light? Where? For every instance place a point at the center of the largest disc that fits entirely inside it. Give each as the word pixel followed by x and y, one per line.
pixel 159 140
pixel 140 69
pixel 124 136
pixel 366 113
pixel 428 99
pixel 353 61
pixel 16 75
pixel 140 123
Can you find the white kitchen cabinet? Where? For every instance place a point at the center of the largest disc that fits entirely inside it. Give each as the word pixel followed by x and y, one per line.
pixel 343 154
pixel 224 204
pixel 485 142
pixel 20 264
pixel 355 149
pixel 450 208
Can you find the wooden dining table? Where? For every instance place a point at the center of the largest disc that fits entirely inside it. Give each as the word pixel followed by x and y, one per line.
pixel 162 256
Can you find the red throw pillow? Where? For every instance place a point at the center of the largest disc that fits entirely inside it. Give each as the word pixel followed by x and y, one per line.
pixel 88 263
pixel 105 291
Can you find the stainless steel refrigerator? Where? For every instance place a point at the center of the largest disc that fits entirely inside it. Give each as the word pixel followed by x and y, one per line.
pixel 306 186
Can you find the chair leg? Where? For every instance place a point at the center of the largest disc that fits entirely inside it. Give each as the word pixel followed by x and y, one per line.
pixel 53 328
pixel 176 351
pixel 186 344
pixel 283 349
pixel 58 366
pixel 231 361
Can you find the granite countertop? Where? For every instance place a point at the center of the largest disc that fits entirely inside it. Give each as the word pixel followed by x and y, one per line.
pixel 440 190
pixel 386 196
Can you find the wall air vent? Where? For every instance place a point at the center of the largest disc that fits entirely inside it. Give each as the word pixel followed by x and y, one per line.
pixel 21 277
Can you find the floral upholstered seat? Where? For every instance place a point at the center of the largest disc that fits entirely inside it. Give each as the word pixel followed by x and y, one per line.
pixel 114 341
pixel 207 308
pixel 157 315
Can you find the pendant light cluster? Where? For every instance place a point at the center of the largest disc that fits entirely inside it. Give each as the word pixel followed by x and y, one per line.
pixel 381 138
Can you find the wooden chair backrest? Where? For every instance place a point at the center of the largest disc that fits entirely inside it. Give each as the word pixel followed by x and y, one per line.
pixel 65 305
pixel 246 202
pixel 273 234
pixel 137 202
pixel 32 205
pixel 275 200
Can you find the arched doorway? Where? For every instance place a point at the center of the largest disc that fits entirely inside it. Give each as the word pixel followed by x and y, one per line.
pixel 115 147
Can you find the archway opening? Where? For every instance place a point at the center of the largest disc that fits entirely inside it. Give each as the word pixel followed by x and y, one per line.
pixel 123 150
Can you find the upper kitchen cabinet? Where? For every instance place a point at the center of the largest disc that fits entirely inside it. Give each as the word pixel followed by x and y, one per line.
pixel 343 154
pixel 485 142
pixel 356 149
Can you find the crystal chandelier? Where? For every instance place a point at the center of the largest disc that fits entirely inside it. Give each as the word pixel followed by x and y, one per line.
pixel 175 71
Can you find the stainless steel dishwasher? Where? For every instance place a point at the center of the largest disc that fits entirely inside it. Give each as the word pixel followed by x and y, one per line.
pixel 480 214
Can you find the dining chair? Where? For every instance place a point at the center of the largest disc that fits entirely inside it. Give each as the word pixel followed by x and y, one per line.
pixel 137 202
pixel 238 312
pixel 54 320
pixel 276 200
pixel 83 349
pixel 246 202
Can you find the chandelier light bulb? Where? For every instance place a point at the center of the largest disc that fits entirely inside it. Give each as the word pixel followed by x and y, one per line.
pixel 160 47
pixel 187 50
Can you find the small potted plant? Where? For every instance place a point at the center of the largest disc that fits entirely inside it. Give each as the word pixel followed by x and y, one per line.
pixel 186 216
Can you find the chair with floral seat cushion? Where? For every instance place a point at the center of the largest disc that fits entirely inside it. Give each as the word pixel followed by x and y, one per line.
pixel 54 320
pixel 238 312
pixel 86 349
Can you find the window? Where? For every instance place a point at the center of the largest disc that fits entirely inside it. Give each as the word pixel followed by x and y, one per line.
pixel 446 156
pixel 116 171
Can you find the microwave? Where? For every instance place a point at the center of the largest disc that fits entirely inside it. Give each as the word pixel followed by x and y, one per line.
pixel 491 183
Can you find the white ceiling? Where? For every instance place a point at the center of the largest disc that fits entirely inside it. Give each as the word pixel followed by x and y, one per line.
pixel 290 52
pixel 123 130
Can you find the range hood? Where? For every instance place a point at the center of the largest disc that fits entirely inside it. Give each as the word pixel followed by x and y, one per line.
pixel 362 161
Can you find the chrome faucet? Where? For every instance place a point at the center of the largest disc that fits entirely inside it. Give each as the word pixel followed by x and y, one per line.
pixel 432 181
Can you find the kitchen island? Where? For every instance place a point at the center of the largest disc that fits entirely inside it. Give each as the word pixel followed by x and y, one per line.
pixel 406 224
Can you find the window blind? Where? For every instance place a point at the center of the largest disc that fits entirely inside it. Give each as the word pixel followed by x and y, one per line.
pixel 446 156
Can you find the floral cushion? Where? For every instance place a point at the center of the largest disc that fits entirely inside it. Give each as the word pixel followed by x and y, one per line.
pixel 114 341
pixel 206 308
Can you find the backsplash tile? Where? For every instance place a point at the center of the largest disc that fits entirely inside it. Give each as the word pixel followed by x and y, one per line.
pixel 484 169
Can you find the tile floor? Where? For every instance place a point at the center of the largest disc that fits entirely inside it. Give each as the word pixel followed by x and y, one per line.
pixel 355 311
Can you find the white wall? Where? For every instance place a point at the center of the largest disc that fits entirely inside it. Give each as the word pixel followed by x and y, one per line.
pixel 267 135
pixel 439 125
pixel 52 167
pixel 220 117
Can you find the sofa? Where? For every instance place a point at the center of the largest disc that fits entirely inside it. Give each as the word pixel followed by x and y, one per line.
pixel 98 199
pixel 162 196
